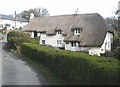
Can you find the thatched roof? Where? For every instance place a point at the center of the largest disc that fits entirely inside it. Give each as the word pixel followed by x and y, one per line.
pixel 94 28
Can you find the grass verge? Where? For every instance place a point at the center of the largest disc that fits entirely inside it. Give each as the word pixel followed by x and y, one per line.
pixel 46 72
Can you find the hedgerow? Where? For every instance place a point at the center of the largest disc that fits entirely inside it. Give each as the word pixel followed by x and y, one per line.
pixel 16 38
pixel 74 67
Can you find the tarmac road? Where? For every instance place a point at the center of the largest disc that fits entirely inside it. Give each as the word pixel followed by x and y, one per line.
pixel 17 72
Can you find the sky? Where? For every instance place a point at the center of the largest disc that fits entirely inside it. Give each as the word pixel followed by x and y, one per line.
pixel 105 8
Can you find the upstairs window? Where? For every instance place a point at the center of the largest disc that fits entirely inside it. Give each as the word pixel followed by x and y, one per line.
pixel 77 31
pixel 59 32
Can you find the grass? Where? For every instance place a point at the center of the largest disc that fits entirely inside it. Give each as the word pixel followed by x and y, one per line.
pixel 46 72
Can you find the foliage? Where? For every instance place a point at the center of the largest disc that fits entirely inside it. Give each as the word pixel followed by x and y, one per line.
pixel 116 42
pixel 117 53
pixel 74 67
pixel 113 23
pixel 16 38
pixel 38 12
pixel 35 40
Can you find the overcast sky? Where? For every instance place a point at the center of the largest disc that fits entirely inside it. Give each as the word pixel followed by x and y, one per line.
pixel 105 8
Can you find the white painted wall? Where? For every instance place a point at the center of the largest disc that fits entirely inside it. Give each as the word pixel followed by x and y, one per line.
pixel 107 43
pixel 12 23
pixel 3 22
pixel 38 34
pixel 32 34
pixel 67 46
pixel 52 40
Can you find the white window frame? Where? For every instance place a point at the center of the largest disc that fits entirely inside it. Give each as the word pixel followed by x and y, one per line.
pixel 59 32
pixel 73 44
pixel 59 42
pixel 77 31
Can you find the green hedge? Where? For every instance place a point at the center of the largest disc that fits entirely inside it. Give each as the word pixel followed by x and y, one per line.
pixel 16 38
pixel 74 67
pixel 117 53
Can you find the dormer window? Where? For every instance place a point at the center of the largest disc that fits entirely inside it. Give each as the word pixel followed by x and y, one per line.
pixel 77 31
pixel 59 32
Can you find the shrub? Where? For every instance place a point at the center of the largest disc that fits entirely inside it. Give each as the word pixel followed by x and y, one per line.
pixel 117 53
pixel 74 67
pixel 35 40
pixel 16 38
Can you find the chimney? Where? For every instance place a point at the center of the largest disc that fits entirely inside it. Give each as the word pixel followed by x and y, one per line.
pixel 76 12
pixel 31 16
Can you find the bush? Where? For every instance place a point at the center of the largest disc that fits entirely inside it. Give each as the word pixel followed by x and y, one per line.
pixel 16 38
pixel 117 53
pixel 116 42
pixel 35 40
pixel 74 67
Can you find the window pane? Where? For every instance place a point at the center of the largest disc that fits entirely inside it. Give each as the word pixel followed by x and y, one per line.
pixel 43 42
pixel 74 44
pixel 59 32
pixel 78 30
pixel 71 44
pixel 57 41
pixel 67 42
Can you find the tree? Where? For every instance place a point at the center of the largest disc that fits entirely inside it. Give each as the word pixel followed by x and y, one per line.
pixel 38 12
pixel 114 23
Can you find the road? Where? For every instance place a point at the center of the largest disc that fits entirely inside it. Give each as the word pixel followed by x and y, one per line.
pixel 17 72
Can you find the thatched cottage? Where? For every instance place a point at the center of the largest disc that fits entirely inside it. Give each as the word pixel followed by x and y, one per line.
pixel 77 32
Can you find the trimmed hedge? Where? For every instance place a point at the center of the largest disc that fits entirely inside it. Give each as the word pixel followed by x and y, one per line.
pixel 74 67
pixel 16 38
pixel 117 53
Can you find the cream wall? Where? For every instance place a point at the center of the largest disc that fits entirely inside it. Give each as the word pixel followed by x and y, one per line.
pixel 107 43
pixel 52 40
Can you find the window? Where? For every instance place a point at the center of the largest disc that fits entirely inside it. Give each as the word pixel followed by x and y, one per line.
pixel 43 42
pixel 77 31
pixel 35 34
pixel 73 44
pixel 59 32
pixel 59 42
pixel 67 42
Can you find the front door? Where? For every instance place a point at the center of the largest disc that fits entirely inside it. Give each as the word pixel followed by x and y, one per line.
pixel 35 34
